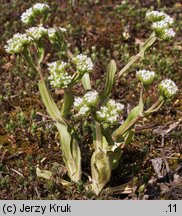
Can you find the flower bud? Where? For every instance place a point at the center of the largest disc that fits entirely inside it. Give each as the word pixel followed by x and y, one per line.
pixel 91 98
pixel 83 63
pixel 168 88
pixel 145 76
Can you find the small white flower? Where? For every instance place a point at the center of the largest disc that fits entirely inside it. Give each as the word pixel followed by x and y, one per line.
pixel 110 112
pixel 58 77
pixel 145 76
pixel 163 24
pixel 16 44
pixel 78 102
pixel 91 98
pixel 84 110
pixel 36 32
pixel 167 34
pixel 51 33
pixel 154 16
pixel 168 88
pixel 113 119
pixel 115 106
pixel 29 15
pixel 41 7
pixel 83 63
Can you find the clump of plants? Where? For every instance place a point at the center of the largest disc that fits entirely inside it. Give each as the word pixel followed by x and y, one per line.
pixel 108 132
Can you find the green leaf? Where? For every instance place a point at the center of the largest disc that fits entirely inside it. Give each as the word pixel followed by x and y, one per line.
pixel 43 173
pixel 71 152
pixel 128 136
pixel 41 51
pixel 49 103
pixel 147 44
pixel 114 157
pixel 101 171
pixel 86 82
pixel 67 103
pixel 111 71
pixel 132 118
pixel 113 152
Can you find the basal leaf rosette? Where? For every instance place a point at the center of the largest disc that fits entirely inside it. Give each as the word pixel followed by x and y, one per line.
pixel 167 88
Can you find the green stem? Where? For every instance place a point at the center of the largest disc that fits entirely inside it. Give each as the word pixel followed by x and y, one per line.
pixel 146 45
pixel 132 61
pixel 98 141
pixel 155 106
pixel 29 60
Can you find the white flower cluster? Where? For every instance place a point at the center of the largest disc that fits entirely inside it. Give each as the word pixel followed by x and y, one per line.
pixel 16 44
pixel 52 33
pixel 36 32
pixel 161 24
pixel 145 76
pixel 83 63
pixel 110 113
pixel 168 88
pixel 91 98
pixel 167 34
pixel 84 104
pixel 59 78
pixel 154 16
pixel 39 8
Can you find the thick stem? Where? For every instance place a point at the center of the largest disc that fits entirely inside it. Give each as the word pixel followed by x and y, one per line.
pixel 67 102
pixel 98 141
pixel 132 61
pixel 146 45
